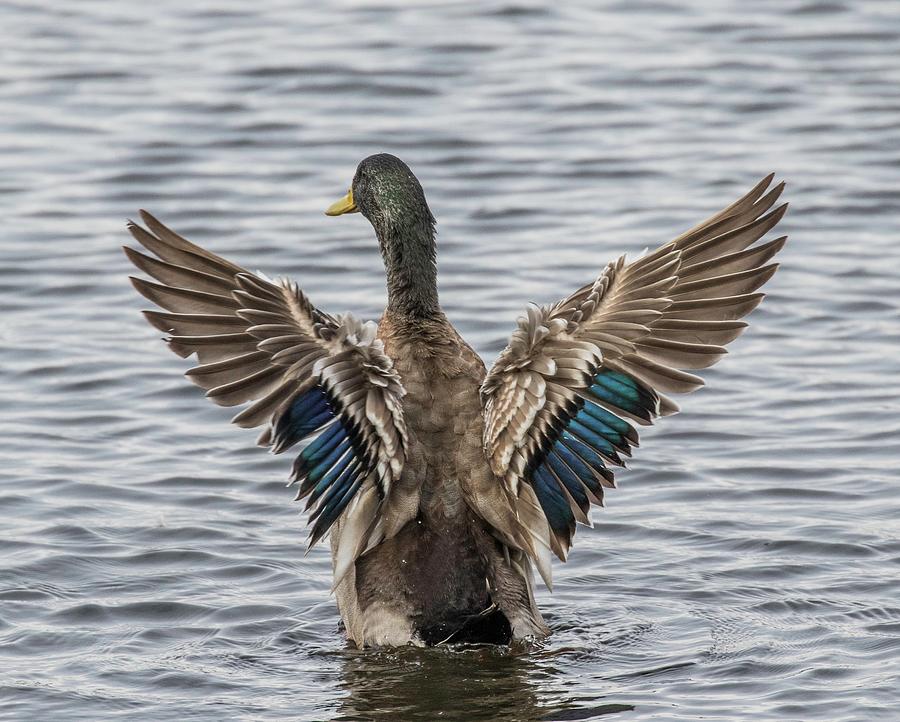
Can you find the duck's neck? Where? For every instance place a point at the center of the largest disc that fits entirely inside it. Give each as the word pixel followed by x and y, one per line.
pixel 411 268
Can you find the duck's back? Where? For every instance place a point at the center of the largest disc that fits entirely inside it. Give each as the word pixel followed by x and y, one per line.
pixel 428 578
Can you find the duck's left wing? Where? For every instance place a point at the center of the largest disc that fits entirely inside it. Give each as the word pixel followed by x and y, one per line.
pixel 306 372
pixel 561 398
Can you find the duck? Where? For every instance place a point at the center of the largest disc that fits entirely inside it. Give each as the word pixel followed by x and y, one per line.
pixel 443 485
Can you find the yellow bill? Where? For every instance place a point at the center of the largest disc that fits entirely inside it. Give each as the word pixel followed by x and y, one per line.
pixel 344 205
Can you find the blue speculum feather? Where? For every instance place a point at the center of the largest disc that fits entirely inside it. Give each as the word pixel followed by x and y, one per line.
pixel 609 436
pixel 618 383
pixel 326 476
pixel 623 392
pixel 556 508
pixel 585 451
pixel 306 414
pixel 589 457
pixel 338 497
pixel 329 468
pixel 324 443
pixel 340 476
pixel 593 439
pixel 567 476
pixel 579 468
pixel 332 510
pixel 322 468
pixel 576 456
pixel 618 428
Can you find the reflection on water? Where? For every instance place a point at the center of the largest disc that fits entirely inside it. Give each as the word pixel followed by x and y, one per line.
pixel 151 564
pixel 481 684
pixel 474 683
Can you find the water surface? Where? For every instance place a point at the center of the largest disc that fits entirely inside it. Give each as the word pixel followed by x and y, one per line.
pixel 151 563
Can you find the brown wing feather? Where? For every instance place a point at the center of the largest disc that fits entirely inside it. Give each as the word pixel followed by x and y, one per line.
pixel 652 320
pixel 263 342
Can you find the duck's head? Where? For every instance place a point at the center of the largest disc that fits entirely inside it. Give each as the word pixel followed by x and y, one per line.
pixel 387 193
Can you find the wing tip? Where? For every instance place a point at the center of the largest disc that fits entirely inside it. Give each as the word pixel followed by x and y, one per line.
pixel 779 211
pixel 139 284
pixel 765 274
pixel 148 289
pixel 136 257
pixel 136 230
pixel 158 323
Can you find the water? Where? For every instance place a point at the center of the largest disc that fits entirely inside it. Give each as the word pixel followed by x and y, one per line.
pixel 151 563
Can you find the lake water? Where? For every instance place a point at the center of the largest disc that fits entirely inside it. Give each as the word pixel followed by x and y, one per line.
pixel 151 563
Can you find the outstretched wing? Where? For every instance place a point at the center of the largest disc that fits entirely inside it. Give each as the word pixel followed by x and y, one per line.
pixel 560 400
pixel 304 372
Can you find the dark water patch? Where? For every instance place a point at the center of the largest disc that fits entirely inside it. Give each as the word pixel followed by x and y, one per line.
pixel 171 557
pixel 818 8
pixel 93 74
pixel 586 713
pixel 521 11
pixel 157 612
pixel 47 644
pixel 25 595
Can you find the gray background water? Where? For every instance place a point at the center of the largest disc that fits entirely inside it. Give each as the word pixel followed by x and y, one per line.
pixel 151 563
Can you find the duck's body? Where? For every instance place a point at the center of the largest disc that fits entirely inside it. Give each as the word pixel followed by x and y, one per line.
pixel 420 583
pixel 435 580
pixel 441 483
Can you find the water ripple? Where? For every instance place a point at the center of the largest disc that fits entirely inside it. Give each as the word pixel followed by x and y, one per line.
pixel 152 564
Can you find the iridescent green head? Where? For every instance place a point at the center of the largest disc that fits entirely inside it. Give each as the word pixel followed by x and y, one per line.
pixel 387 193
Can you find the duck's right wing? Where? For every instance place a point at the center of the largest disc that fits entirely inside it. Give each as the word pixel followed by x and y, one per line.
pixel 306 372
pixel 561 398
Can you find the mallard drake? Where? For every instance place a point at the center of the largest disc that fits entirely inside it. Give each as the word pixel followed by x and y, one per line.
pixel 443 484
